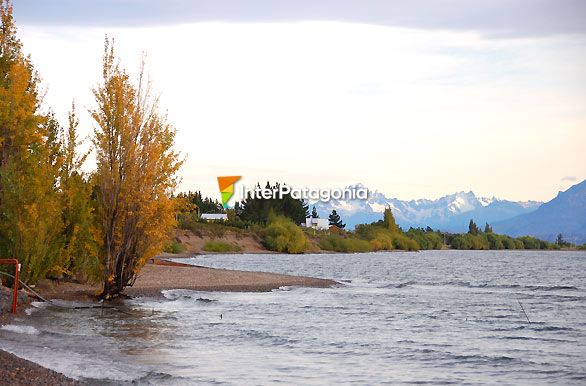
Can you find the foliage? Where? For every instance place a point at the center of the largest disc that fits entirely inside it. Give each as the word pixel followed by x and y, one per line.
pixel 221 246
pixel 30 213
pixel 381 237
pixel 473 228
pixel 426 239
pixel 80 254
pixel 314 213
pixel 200 203
pixel 400 241
pixel 495 241
pixel 389 220
pixel 469 241
pixel 561 243
pixel 334 242
pixel 174 246
pixel 529 242
pixel 258 209
pixel 335 220
pixel 135 176
pixel 282 235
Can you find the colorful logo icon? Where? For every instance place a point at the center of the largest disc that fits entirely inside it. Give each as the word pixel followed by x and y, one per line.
pixel 226 184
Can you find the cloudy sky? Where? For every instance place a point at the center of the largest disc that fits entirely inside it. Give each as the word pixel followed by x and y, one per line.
pixel 412 98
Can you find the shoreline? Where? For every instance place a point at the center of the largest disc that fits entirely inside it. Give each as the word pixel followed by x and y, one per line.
pixel 155 277
pixel 19 371
pixel 159 275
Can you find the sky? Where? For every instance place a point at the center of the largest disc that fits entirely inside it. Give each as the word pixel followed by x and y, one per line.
pixel 415 99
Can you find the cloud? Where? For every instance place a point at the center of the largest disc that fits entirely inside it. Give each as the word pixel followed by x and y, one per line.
pixel 326 103
pixel 494 18
pixel 569 178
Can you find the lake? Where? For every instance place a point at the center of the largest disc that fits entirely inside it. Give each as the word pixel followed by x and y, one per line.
pixel 433 317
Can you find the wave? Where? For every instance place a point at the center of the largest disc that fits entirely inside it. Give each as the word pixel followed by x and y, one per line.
pixel 467 284
pixel 29 330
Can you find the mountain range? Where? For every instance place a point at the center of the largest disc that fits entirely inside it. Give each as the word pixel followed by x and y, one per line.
pixel 565 214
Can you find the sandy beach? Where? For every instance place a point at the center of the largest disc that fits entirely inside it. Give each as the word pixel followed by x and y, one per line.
pixel 160 275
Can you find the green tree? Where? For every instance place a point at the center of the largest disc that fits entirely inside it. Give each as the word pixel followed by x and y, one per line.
pixel 282 235
pixel 257 209
pixel 203 204
pixel 487 228
pixel 472 228
pixel 334 219
pixel 389 220
pixel 314 213
pixel 80 254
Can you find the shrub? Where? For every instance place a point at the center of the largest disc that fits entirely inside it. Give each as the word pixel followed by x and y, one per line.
pixel 469 241
pixel 528 242
pixel 174 247
pixel 495 241
pixel 508 242
pixel 282 235
pixel 425 240
pixel 221 246
pixel 381 238
pixel 343 244
pixel 403 242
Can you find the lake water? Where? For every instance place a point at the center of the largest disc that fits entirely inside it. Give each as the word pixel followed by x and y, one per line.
pixel 431 317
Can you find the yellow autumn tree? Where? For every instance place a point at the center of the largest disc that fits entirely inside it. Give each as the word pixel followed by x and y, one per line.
pixel 136 173
pixel 30 212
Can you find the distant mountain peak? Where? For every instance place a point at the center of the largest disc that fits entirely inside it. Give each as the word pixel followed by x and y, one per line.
pixel 565 214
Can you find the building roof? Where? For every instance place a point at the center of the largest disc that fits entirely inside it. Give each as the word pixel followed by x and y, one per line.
pixel 214 216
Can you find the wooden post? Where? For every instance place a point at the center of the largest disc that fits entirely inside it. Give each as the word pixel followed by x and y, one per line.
pixel 15 284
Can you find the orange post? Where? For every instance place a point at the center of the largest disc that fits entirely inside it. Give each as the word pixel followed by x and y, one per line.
pixel 15 285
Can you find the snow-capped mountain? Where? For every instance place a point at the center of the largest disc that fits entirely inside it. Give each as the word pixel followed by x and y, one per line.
pixel 449 213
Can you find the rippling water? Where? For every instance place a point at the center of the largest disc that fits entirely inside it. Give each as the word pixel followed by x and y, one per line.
pixel 428 317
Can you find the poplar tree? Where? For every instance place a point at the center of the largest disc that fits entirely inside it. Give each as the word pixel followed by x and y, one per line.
pixel 136 173
pixel 389 220
pixel 30 212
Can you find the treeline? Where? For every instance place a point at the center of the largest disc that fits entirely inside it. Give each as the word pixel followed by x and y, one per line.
pixel 196 202
pixel 260 210
pixel 277 221
pixel 57 218
pixel 477 239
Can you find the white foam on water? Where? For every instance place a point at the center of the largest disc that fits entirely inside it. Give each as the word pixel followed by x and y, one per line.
pixel 30 330
pixel 78 366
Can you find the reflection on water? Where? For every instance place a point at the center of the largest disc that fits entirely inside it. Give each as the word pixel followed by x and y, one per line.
pixel 431 317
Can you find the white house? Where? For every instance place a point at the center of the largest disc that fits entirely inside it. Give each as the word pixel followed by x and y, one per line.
pixel 214 216
pixel 317 223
